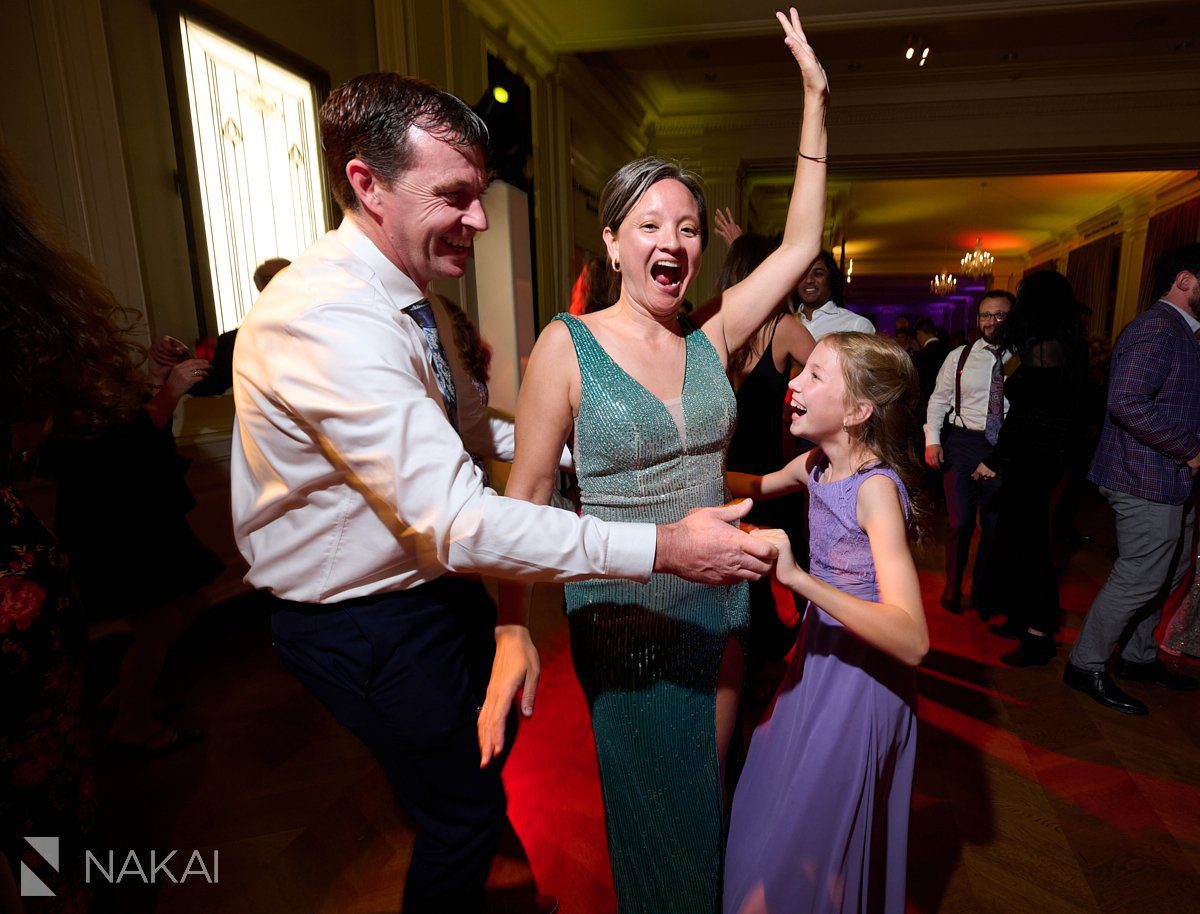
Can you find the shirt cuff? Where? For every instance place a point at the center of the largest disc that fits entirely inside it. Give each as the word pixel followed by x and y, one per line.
pixel 631 549
pixel 933 435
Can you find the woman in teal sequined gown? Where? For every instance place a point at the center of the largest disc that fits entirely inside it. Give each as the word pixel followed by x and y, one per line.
pixel 643 394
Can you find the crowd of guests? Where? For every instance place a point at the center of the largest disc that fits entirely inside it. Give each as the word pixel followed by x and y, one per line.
pixel 1013 420
pixel 360 505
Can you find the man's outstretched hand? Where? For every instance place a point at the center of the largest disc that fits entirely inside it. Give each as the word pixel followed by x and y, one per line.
pixel 705 547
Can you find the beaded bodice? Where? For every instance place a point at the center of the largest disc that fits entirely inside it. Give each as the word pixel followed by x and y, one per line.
pixel 631 461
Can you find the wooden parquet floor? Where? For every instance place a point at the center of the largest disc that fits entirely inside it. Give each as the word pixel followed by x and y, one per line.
pixel 1028 796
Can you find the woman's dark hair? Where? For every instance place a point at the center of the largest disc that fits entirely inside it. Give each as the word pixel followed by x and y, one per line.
pixel 476 353
pixel 1044 308
pixel 877 370
pixel 602 285
pixel 744 257
pixel 369 117
pixel 633 179
pixel 66 345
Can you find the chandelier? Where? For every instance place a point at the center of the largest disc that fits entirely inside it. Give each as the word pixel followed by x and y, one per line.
pixel 943 284
pixel 977 262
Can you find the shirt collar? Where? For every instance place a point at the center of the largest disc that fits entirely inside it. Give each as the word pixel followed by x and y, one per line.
pixel 398 287
pixel 829 308
pixel 1192 322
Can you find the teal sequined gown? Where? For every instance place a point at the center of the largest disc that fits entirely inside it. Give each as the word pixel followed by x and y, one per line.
pixel 648 655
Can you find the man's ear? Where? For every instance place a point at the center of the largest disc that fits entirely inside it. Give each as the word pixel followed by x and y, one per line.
pixel 365 184
pixel 1184 280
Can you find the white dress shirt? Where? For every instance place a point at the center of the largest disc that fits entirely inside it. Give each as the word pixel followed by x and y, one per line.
pixel 347 477
pixel 976 387
pixel 829 318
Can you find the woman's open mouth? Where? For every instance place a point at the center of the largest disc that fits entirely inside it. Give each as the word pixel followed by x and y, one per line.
pixel 667 274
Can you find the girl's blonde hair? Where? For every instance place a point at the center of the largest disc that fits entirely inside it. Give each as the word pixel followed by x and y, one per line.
pixel 878 371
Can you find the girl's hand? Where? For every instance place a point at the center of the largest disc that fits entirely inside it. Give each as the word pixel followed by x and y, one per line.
pixel 786 569
pixel 816 84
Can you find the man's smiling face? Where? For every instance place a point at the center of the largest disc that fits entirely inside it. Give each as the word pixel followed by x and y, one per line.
pixel 430 214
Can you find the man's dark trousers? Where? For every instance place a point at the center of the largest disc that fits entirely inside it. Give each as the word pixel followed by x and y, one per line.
pixel 406 672
pixel 963 450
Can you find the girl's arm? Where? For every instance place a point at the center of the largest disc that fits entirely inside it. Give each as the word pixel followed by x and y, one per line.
pixel 894 625
pixel 791 478
pixel 544 421
pixel 746 306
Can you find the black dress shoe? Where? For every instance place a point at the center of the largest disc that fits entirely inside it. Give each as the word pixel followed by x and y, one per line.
pixel 1099 687
pixel 1156 672
pixel 1034 650
pixel 1007 629
pixel 952 605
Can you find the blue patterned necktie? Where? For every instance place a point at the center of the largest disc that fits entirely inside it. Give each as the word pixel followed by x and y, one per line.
pixel 422 314
pixel 995 413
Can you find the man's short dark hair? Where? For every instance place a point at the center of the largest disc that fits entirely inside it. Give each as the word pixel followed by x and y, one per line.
pixel 926 326
pixel 996 293
pixel 1183 259
pixel 837 279
pixel 369 117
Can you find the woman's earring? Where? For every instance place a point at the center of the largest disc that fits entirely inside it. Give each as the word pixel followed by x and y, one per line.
pixel 616 265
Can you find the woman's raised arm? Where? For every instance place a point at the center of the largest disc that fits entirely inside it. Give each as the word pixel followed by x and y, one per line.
pixel 745 307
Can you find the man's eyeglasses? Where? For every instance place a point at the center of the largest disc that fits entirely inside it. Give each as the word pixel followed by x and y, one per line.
pixel 993 317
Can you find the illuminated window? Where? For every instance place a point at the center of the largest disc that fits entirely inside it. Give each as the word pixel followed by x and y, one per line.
pixel 261 191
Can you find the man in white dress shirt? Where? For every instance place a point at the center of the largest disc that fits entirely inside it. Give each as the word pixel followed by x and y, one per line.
pixel 820 294
pixel 357 506
pixel 963 419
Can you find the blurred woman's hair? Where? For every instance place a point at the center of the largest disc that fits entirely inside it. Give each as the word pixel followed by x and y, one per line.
pixel 475 352
pixel 1045 308
pixel 67 347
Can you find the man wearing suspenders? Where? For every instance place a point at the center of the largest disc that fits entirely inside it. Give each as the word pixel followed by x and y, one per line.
pixel 963 419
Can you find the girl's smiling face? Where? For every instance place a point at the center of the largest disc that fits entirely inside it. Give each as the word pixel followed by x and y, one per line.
pixel 658 247
pixel 818 397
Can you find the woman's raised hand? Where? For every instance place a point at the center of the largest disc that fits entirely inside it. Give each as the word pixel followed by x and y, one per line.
pixel 726 226
pixel 815 80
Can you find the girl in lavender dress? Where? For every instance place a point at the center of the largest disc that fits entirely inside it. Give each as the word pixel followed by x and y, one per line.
pixel 820 815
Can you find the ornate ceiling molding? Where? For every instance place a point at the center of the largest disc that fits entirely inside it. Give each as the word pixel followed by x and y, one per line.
pixel 528 34
pixel 855 15
pixel 952 110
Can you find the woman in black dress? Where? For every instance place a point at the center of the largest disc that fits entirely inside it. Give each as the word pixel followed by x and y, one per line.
pixel 1045 390
pixel 759 372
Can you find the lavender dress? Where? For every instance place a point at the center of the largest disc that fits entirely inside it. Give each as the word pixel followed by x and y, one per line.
pixel 820 815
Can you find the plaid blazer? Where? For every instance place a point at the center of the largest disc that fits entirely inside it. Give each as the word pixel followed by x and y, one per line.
pixel 1152 421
